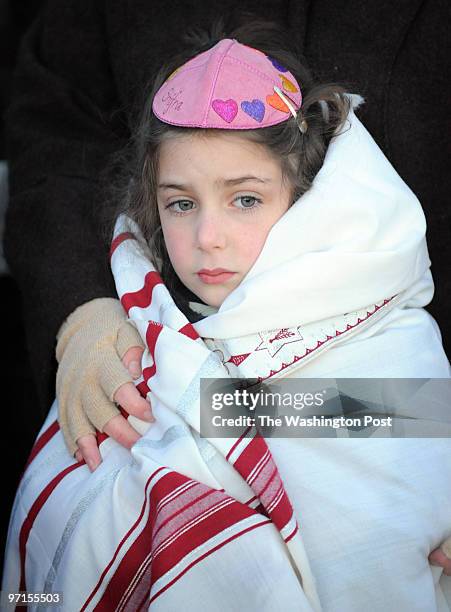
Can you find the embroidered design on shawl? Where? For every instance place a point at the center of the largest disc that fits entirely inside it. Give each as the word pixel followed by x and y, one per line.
pixel 237 359
pixel 274 342
pixel 328 338
pixel 280 360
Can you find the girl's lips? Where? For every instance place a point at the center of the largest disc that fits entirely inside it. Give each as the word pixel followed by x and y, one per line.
pixel 214 277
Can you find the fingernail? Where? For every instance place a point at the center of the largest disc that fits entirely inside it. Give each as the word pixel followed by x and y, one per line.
pixel 134 367
pixel 435 563
pixel 148 416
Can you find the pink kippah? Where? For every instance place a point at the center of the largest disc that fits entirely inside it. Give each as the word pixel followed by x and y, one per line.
pixel 230 86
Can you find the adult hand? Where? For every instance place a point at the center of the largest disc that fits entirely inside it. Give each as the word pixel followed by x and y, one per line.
pixel 129 398
pixel 442 556
pixel 99 354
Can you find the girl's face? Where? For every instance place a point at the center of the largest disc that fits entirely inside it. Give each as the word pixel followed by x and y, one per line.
pixel 218 197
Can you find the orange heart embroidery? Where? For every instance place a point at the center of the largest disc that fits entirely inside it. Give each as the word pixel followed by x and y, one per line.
pixel 287 84
pixel 276 102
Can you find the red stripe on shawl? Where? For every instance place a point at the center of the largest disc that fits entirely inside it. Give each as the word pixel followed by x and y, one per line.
pixel 45 437
pixel 33 513
pixel 138 551
pixel 283 511
pixel 120 238
pixel 243 435
pixel 123 412
pixel 135 600
pixel 154 329
pixel 46 492
pixel 143 388
pixel 143 297
pixel 246 462
pixel 292 534
pixel 209 552
pixel 197 534
pixel 172 516
pixel 187 535
pixel 148 373
pixel 134 566
pixel 250 456
pixel 261 510
pixel 167 485
pixel 104 603
pixel 188 330
pixel 101 436
pixel 274 473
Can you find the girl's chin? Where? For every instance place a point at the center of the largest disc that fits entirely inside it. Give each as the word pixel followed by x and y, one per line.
pixel 213 296
pixel 213 302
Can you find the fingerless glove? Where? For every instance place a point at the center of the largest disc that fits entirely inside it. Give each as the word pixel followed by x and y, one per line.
pixel 90 346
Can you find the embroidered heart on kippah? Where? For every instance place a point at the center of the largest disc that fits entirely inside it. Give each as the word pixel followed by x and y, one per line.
pixel 255 109
pixel 226 109
pixel 276 102
pixel 276 64
pixel 288 85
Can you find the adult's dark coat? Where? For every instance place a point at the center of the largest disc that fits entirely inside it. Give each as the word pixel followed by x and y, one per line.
pixel 81 68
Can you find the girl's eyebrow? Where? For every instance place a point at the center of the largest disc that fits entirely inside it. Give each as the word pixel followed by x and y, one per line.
pixel 226 182
pixel 244 179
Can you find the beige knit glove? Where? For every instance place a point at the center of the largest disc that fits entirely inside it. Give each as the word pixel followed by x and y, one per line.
pixel 90 346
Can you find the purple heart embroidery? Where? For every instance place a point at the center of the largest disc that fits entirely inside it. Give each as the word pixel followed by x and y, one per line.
pixel 226 109
pixel 276 64
pixel 255 109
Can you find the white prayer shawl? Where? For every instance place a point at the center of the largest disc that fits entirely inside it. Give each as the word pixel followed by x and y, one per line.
pixel 183 522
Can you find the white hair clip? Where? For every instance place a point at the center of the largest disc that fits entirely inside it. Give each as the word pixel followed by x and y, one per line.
pixel 303 124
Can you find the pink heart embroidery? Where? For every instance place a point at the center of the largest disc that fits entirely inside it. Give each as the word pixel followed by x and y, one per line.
pixel 226 109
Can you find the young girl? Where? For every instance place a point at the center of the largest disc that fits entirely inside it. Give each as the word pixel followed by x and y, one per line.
pixel 265 235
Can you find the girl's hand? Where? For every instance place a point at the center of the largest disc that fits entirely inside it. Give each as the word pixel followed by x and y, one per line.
pixel 99 354
pixel 442 556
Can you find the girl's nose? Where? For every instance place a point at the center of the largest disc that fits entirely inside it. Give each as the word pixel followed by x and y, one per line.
pixel 210 231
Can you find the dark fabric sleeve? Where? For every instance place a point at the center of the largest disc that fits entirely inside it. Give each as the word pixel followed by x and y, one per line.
pixel 62 126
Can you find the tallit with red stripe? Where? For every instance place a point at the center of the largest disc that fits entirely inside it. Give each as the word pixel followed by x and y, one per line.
pixel 182 522
pixel 175 360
